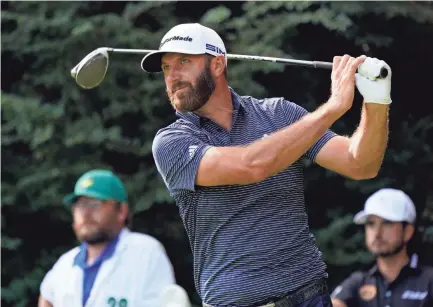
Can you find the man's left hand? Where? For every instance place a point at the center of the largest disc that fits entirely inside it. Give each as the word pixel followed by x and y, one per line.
pixel 373 88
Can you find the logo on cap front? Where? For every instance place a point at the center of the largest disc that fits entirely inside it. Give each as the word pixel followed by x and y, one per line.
pixel 86 183
pixel 176 38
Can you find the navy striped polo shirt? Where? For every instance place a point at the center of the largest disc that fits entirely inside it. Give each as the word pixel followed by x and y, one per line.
pixel 249 242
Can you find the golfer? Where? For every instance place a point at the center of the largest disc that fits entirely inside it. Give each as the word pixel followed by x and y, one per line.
pixel 113 266
pixel 234 165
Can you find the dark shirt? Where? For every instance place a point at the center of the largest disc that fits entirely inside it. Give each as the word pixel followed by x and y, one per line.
pixel 413 287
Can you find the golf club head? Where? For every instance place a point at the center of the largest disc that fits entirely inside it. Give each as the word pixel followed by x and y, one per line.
pixel 174 296
pixel 90 72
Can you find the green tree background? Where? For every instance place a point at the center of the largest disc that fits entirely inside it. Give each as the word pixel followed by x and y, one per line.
pixel 53 131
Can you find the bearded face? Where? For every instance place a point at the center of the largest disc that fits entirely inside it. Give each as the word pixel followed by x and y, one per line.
pixel 188 96
pixel 95 221
pixel 384 238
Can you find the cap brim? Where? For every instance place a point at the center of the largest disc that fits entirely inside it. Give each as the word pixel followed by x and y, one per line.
pixel 70 198
pixel 152 61
pixel 360 218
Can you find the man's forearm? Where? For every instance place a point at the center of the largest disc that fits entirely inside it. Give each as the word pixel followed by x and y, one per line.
pixel 368 143
pixel 279 150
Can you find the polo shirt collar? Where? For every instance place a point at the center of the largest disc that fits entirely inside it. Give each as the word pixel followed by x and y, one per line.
pixel 410 268
pixel 81 258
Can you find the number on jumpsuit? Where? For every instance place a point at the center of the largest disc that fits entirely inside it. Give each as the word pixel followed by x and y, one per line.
pixel 112 302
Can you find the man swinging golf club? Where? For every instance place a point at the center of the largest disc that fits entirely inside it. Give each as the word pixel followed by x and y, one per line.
pixel 233 164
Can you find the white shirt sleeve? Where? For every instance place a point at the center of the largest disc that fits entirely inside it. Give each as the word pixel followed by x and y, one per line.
pixel 159 275
pixel 47 286
pixel 51 284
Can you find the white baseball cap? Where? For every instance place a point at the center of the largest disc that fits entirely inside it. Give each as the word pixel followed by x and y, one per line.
pixel 188 38
pixel 389 204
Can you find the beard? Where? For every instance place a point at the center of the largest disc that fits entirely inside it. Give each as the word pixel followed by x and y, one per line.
pixel 394 250
pixel 191 98
pixel 94 236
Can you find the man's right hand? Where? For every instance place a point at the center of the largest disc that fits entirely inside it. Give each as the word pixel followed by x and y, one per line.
pixel 42 302
pixel 338 303
pixel 343 82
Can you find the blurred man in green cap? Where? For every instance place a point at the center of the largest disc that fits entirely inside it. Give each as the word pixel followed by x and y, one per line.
pixel 113 266
pixel 103 191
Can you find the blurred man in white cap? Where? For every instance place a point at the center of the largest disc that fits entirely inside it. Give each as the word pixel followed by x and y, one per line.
pixel 389 216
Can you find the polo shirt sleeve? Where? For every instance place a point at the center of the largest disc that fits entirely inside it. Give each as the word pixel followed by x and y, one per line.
pixel 177 154
pixel 347 291
pixel 47 286
pixel 293 113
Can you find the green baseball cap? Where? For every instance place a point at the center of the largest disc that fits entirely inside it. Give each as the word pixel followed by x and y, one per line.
pixel 99 184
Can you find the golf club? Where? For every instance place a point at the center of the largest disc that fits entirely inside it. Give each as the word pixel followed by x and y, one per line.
pixel 91 70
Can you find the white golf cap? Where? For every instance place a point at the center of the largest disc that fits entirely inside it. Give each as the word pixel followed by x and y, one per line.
pixel 389 204
pixel 188 38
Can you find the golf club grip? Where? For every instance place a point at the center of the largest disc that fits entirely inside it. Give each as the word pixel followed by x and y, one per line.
pixel 325 65
pixel 383 72
pixel 328 65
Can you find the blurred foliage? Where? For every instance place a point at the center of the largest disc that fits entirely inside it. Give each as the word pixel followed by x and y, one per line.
pixel 53 131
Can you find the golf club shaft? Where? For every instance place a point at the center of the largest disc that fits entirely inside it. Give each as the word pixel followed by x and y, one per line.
pixel 315 64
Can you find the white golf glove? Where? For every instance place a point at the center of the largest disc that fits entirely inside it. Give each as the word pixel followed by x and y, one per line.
pixel 372 88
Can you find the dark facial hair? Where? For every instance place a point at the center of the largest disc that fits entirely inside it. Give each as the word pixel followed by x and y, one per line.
pixel 393 251
pixel 98 237
pixel 196 96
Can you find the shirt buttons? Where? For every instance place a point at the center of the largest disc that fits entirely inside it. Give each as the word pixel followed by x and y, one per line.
pixel 388 294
